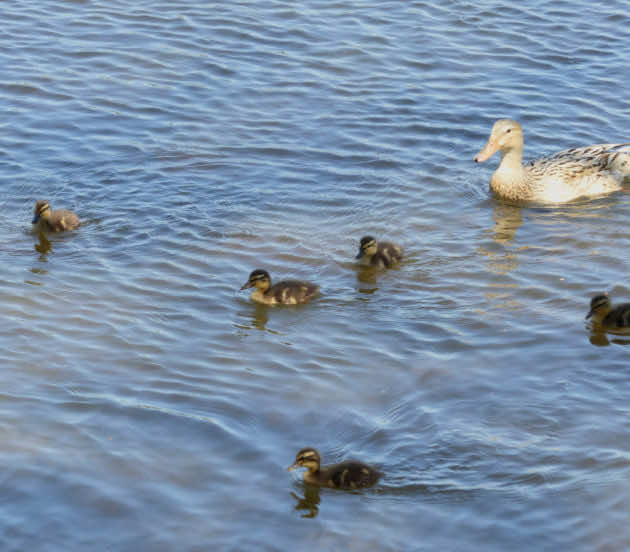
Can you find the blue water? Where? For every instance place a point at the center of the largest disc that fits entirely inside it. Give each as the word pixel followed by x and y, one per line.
pixel 147 404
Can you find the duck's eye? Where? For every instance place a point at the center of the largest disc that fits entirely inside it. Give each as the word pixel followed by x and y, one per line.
pixel 507 131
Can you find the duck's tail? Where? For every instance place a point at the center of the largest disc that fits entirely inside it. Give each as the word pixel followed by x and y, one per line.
pixel 619 159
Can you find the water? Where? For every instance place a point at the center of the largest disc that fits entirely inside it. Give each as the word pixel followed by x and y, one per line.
pixel 147 404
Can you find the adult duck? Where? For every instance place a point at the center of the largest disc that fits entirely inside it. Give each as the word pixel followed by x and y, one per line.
pixel 567 175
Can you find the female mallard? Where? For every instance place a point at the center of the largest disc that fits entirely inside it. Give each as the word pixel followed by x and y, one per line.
pixel 287 292
pixel 378 254
pixel 350 474
pixel 46 220
pixel 607 316
pixel 567 175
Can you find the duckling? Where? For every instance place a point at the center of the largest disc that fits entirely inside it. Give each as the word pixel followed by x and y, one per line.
pixel 287 292
pixel 350 474
pixel 47 220
pixel 378 254
pixel 564 176
pixel 609 317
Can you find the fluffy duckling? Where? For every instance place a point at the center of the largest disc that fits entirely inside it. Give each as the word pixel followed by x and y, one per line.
pixel 378 254
pixel 607 316
pixel 46 220
pixel 287 292
pixel 565 176
pixel 348 475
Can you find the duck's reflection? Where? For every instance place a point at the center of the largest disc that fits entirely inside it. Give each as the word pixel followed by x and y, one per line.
pixel 507 220
pixel 309 502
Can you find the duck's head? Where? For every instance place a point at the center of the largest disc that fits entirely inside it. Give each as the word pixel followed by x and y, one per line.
pixel 307 458
pixel 42 210
pixel 600 305
pixel 259 279
pixel 367 247
pixel 506 134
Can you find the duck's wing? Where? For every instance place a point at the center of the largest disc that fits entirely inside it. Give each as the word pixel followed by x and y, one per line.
pixel 388 254
pixel 291 292
pixel 576 163
pixel 622 315
pixel 354 475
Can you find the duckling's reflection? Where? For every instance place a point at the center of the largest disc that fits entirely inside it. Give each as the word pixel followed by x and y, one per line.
pixel 600 339
pixel 260 316
pixel 367 275
pixel 44 245
pixel 309 502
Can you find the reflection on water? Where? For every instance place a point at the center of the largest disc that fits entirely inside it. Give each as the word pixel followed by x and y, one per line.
pixel 507 220
pixel 598 336
pixel 309 502
pixel 260 316
pixel 367 275
pixel 44 246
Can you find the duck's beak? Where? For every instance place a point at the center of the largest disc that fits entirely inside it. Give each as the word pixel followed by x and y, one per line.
pixel 293 466
pixel 486 153
pixel 246 285
pixel 590 313
pixel 35 219
pixel 360 255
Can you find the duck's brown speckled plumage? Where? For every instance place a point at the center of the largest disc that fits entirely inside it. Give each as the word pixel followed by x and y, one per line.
pixel 286 292
pixel 347 475
pixel 567 175
pixel 607 316
pixel 47 220
pixel 378 254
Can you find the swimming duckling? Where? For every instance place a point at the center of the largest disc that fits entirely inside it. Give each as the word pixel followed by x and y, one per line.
pixel 609 317
pixel 379 254
pixel 350 474
pixel 287 292
pixel 47 220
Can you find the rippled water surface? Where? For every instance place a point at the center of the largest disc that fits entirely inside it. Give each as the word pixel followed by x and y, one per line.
pixel 147 404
